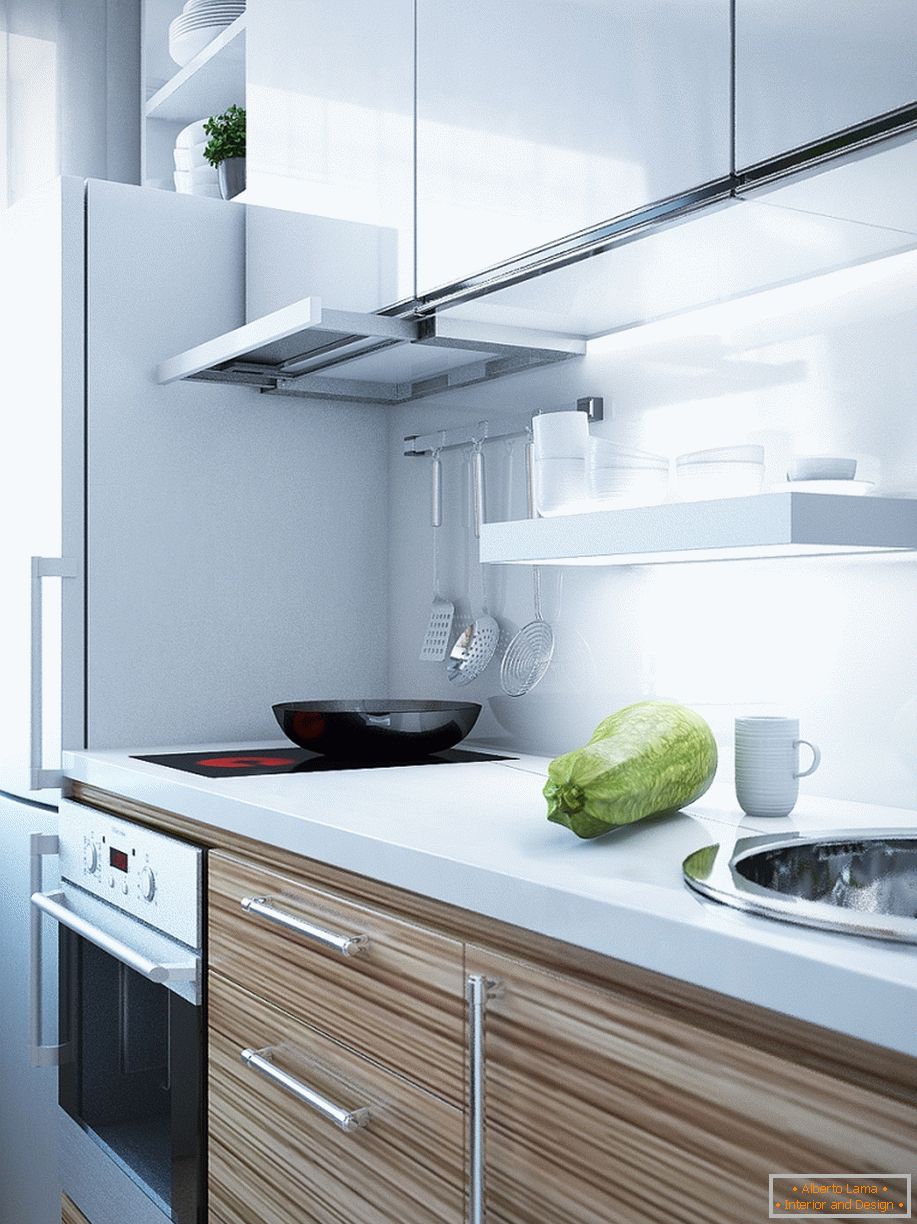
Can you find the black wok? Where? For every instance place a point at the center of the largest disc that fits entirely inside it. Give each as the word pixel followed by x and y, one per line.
pixel 376 730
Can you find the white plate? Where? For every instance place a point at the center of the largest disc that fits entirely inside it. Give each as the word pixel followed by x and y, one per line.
pixel 217 10
pixel 181 25
pixel 214 19
pixel 206 8
pixel 192 9
pixel 184 48
pixel 852 488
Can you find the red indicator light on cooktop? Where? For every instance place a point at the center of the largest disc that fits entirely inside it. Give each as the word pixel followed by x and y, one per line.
pixel 243 762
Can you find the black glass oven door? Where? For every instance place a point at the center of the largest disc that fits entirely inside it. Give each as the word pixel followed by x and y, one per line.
pixel 134 1082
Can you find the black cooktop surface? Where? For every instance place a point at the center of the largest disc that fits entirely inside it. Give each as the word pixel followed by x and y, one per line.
pixel 247 762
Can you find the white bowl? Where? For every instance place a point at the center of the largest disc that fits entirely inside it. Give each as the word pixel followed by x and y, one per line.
pixel 821 467
pixel 192 183
pixel 191 159
pixel 723 454
pixel 191 135
pixel 620 476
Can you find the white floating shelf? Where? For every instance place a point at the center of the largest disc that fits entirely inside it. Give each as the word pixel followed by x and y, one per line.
pixel 208 84
pixel 782 524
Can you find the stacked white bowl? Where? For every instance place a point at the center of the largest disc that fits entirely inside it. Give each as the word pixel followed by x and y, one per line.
pixel 193 174
pixel 198 24
pixel 619 476
pixel 561 441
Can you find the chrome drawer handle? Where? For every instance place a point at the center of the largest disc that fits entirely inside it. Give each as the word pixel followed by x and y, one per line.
pixel 347 945
pixel 347 1120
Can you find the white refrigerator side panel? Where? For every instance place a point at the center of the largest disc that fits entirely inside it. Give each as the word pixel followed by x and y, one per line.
pixel 236 542
pixel 41 474
pixel 29 1186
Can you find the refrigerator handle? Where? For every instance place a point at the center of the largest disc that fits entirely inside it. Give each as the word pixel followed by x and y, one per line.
pixel 42 567
pixel 40 845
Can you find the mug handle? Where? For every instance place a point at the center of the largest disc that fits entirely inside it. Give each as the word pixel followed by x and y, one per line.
pixel 816 758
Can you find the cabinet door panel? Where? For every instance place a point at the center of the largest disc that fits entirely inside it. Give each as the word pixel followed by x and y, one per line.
pixel 330 98
pixel 274 1160
pixel 536 119
pixel 601 1107
pixel 805 69
pixel 399 1001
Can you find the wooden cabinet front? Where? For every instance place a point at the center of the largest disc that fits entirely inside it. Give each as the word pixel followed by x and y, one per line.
pixel 275 1160
pixel 70 1213
pixel 604 1107
pixel 400 1001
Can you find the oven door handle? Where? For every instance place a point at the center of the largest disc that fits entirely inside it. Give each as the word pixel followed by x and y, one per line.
pixel 51 903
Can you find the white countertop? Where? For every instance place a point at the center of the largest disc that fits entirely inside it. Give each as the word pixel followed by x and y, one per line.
pixel 475 835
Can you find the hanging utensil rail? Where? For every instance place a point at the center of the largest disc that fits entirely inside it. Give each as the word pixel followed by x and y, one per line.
pixel 489 431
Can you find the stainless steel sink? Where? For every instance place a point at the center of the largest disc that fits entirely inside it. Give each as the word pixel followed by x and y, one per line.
pixel 860 881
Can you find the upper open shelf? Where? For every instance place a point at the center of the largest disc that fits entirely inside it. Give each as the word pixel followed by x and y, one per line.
pixel 208 84
pixel 384 360
pixel 781 524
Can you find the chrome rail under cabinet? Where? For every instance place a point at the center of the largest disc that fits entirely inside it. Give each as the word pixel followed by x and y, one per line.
pixel 480 990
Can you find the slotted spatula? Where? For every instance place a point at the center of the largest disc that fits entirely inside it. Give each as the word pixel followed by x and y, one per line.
pixel 442 611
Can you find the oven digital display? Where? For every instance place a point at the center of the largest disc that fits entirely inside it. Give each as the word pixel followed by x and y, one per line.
pixel 117 859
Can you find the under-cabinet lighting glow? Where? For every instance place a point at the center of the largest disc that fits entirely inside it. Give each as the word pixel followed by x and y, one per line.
pixel 751 552
pixel 730 319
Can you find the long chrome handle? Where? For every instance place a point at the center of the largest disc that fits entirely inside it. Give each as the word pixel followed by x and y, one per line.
pixel 478 495
pixel 52 904
pixel 42 567
pixel 347 945
pixel 347 1120
pixel 40 845
pixel 480 990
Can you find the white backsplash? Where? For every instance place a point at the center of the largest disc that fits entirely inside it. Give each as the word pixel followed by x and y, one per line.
pixel 827 639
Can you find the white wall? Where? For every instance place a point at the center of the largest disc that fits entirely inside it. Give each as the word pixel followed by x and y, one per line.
pixel 829 639
pixel 236 542
pixel 69 92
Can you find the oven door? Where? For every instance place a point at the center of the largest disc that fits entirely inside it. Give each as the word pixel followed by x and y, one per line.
pixel 132 1074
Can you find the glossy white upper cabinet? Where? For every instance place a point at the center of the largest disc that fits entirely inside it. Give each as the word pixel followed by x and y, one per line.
pixel 808 68
pixel 330 97
pixel 539 118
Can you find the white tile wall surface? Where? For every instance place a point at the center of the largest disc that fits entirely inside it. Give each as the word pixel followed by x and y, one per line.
pixel 831 370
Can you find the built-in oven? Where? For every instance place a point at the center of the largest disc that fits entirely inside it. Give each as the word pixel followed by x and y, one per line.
pixel 130 1028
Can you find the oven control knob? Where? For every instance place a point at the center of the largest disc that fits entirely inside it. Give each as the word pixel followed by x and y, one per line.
pixel 90 858
pixel 147 884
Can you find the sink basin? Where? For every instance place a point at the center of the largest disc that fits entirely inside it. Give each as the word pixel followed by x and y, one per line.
pixel 863 882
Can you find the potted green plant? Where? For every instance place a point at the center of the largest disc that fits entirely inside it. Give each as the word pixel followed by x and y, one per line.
pixel 225 149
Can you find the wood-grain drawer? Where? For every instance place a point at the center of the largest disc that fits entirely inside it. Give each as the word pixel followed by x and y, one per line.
pixel 275 1160
pixel 399 1001
pixel 70 1213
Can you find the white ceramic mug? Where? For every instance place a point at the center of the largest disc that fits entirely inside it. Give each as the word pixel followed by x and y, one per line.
pixel 767 765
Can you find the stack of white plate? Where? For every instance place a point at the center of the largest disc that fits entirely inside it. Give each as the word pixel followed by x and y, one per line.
pixel 193 174
pixel 198 24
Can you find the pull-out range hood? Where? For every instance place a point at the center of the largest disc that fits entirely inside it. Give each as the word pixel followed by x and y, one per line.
pixel 298 350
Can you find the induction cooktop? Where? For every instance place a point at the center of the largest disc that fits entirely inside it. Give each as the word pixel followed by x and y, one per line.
pixel 248 762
